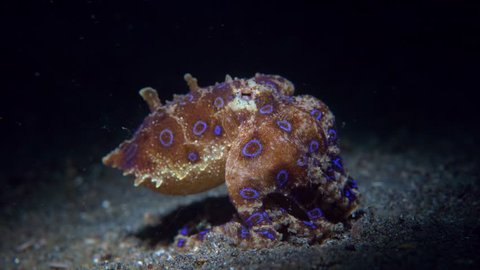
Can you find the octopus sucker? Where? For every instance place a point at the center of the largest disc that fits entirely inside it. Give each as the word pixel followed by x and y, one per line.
pixel 278 155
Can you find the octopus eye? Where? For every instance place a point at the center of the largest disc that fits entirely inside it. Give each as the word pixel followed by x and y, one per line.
pixel 218 102
pixel 166 137
pixel 315 213
pixel 249 152
pixel 313 146
pixel 199 127
pixel 249 193
pixel 285 125
pixel 193 156
pixel 282 178
pixel 316 114
pixel 218 130
pixel 266 109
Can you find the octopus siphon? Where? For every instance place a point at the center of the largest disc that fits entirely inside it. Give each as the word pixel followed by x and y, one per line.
pixel 277 153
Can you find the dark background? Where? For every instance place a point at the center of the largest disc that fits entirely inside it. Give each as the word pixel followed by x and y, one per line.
pixel 72 69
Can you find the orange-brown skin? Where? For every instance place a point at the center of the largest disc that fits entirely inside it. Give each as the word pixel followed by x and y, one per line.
pixel 277 154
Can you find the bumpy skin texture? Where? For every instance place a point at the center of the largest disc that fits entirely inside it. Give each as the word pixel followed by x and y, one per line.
pixel 277 153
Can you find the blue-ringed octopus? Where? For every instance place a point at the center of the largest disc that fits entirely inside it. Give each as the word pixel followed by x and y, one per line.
pixel 277 153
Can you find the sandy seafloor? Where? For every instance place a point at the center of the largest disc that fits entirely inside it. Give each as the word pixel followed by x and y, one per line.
pixel 420 209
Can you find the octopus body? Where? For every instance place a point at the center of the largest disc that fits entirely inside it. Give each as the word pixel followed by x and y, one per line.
pixel 277 154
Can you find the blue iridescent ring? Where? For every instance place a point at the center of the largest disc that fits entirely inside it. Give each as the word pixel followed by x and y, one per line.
pixel 282 178
pixel 315 213
pixel 243 232
pixel 249 193
pixel 199 127
pixel 332 134
pixel 285 125
pixel 266 109
pixel 254 219
pixel 166 142
pixel 316 114
pixel 257 218
pixel 217 130
pixel 302 161
pixel 181 242
pixel 267 233
pixel 184 231
pixel 309 224
pixel 314 145
pixel 201 235
pixel 347 191
pixel 352 183
pixel 193 156
pixel 218 102
pixel 254 154
pixel 337 162
pixel 271 84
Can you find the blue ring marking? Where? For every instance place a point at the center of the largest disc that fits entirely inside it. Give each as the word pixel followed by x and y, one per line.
pixel 271 84
pixel 348 193
pixel 301 161
pixel 244 232
pixel 266 217
pixel 337 162
pixel 332 134
pixel 217 130
pixel 184 231
pixel 249 193
pixel 268 233
pixel 218 102
pixel 282 178
pixel 316 112
pixel 259 217
pixel 170 140
pixel 353 183
pixel 314 145
pixel 266 109
pixel 330 174
pixel 285 125
pixel 254 154
pixel 181 242
pixel 309 224
pixel 193 156
pixel 315 213
pixel 202 130
pixel 189 97
pixel 201 235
